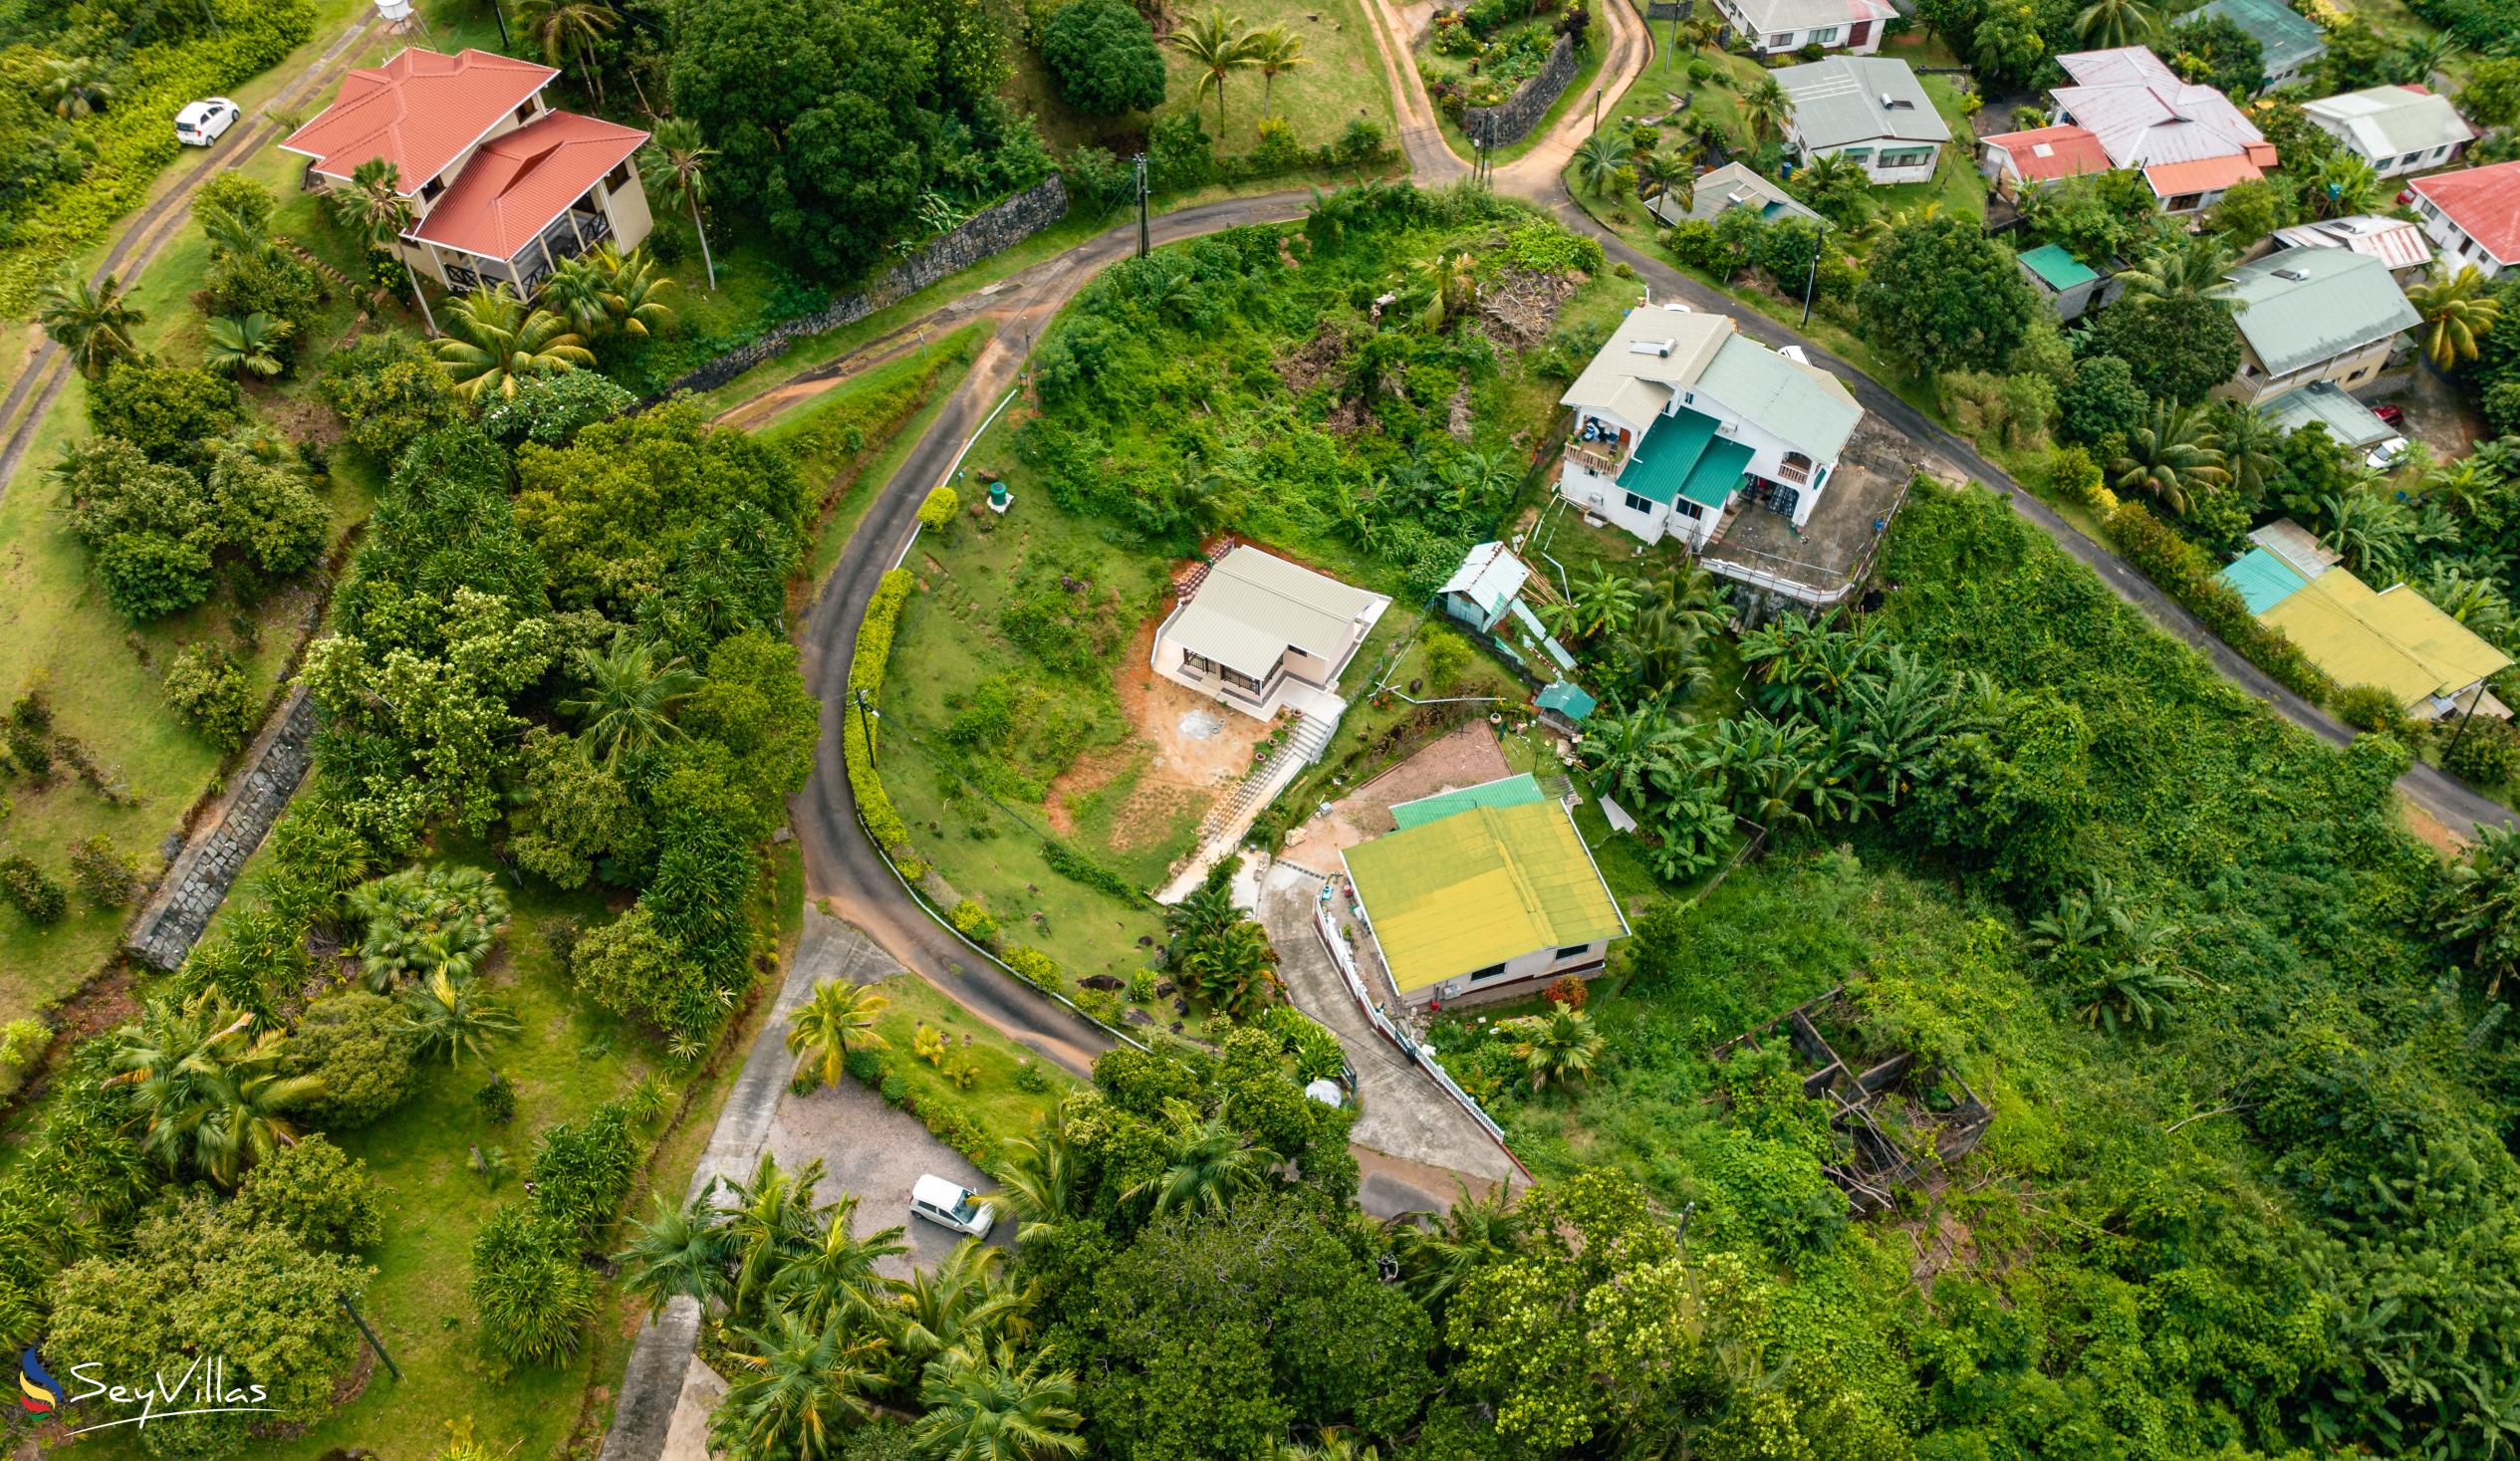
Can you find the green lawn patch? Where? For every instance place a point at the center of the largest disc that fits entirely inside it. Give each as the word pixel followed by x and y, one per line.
pixel 996 1096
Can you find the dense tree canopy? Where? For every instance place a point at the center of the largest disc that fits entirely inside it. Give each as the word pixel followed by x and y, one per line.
pixel 1940 295
pixel 1103 54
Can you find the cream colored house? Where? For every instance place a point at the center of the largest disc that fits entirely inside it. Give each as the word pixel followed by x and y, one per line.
pixel 2310 314
pixel 1257 633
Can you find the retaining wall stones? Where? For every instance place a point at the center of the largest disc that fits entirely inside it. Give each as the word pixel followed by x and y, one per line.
pixel 197 884
pixel 1505 123
pixel 993 230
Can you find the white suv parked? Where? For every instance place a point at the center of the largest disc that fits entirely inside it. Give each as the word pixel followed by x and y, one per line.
pixel 949 1206
pixel 200 124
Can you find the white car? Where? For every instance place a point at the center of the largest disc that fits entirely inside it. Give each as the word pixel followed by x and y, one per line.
pixel 2384 456
pixel 200 124
pixel 950 1206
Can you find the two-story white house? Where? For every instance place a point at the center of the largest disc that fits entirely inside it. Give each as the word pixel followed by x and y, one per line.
pixel 1680 417
pixel 1774 26
pixel 502 186
pixel 1865 109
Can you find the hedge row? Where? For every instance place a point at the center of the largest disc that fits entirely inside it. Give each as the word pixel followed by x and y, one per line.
pixel 134 138
pixel 865 677
pixel 2188 573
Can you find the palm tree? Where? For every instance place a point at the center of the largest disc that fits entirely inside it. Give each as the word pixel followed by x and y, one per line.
pixel 495 343
pixel 1605 604
pixel 2423 55
pixel 628 698
pixel 994 1409
pixel 2344 186
pixel 1560 1046
pixel 1476 1233
pixel 2173 454
pixel 822 1026
pixel 797 1390
pixel 2105 25
pixel 2455 310
pixel 1234 968
pixel 578 293
pixel 2478 907
pixel 235 234
pixel 772 1221
pixel 1218 46
pixel 680 1251
pixel 2249 444
pixel 245 344
pixel 960 1304
pixel 1453 283
pixel 2198 267
pixel 1597 162
pixel 1211 1163
pixel 1668 175
pixel 570 30
pixel 94 322
pixel 455 1015
pixel 836 1278
pixel 207 1092
pixel 74 85
pixel 676 163
pixel 1037 1176
pixel 375 207
pixel 1764 109
pixel 1275 50
pixel 633 302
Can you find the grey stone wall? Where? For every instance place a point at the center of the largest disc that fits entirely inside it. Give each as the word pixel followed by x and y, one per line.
pixel 198 881
pixel 1667 9
pixel 1504 123
pixel 993 230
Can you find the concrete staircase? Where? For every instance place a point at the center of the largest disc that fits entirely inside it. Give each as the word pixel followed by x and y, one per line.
pixel 1232 817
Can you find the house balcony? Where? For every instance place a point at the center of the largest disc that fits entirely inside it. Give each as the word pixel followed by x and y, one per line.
pixel 1594 459
pixel 579 230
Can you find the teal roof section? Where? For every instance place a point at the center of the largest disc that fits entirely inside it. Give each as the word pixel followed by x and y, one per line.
pixel 1568 701
pixel 2285 38
pixel 1513 791
pixel 2262 580
pixel 2056 268
pixel 1667 456
pixel 1712 481
pixel 2299 307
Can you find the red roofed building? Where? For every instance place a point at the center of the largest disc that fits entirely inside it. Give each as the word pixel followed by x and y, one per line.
pixel 2123 108
pixel 2042 155
pixel 2473 216
pixel 503 187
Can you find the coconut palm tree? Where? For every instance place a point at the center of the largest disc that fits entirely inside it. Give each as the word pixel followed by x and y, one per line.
pixel 1668 175
pixel 495 343
pixel 628 699
pixel 375 207
pixel 1765 107
pixel 770 1221
pixel 1210 1165
pixel 2107 24
pixel 634 290
pixel 2197 267
pixel 835 1277
pixel 245 344
pixel 2455 309
pixel 960 1304
pixel 1037 1176
pixel 1597 162
pixel 456 1016
pixel 2174 455
pixel 1276 51
pixel 679 1252
pixel 2344 186
pixel 579 292
pixel 993 1408
pixel 2250 442
pixel 1452 282
pixel 1234 968
pixel 835 1013
pixel 798 1389
pixel 74 85
pixel 676 163
pixel 1605 604
pixel 206 1091
pixel 1478 1233
pixel 1560 1046
pixel 94 322
pixel 1218 46
pixel 569 31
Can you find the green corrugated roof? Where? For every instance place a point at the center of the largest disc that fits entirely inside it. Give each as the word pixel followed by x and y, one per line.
pixel 2284 37
pixel 1512 791
pixel 2341 300
pixel 2056 268
pixel 1787 400
pixel 1569 700
pixel 1712 481
pixel 1663 460
pixel 2348 420
pixel 2262 580
pixel 1484 886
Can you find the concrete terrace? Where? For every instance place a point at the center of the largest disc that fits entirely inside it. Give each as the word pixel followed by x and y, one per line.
pixel 1819 564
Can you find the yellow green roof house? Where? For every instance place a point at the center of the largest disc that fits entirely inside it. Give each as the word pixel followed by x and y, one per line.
pixel 1483 893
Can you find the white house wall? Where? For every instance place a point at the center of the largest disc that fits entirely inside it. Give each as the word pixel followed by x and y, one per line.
pixel 2455 247
pixel 1516 981
pixel 1880 176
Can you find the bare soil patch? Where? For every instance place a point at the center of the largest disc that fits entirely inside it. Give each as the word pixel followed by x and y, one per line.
pixel 1186 749
pixel 1464 757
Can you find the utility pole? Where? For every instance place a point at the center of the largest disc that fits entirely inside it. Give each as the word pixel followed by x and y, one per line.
pixel 350 1309
pixel 1813 275
pixel 1141 205
pixel 2472 703
pixel 499 8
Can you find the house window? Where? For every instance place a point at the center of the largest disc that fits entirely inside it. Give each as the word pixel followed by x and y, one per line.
pixel 1688 510
pixel 1783 42
pixel 1580 948
pixel 431 189
pixel 1639 504
pixel 618 178
pixel 1192 659
pixel 1238 679
pixel 2183 203
pixel 1490 972
pixel 2410 159
pixel 1825 36
pixel 525 111
pixel 1906 158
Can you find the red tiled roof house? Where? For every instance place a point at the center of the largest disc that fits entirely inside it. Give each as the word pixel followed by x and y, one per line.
pixel 503 187
pixel 2473 216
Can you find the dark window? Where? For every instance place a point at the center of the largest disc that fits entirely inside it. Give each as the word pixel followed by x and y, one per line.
pixel 431 189
pixel 1237 677
pixel 1490 972
pixel 1688 509
pixel 1200 662
pixel 1580 948
pixel 1639 504
pixel 618 178
pixel 525 111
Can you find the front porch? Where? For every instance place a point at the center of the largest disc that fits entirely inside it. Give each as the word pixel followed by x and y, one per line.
pixel 580 229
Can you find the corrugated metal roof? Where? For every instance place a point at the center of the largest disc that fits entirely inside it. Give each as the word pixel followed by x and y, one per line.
pixel 1489 577
pixel 1776 17
pixel 1569 699
pixel 1717 472
pixel 2395 639
pixel 1857 99
pixel 1252 608
pixel 2303 306
pixel 2262 580
pixel 2348 420
pixel 1480 887
pixel 1510 791
pixel 1660 346
pixel 1733 185
pixel 2393 241
pixel 2203 175
pixel 2045 153
pixel 1803 406
pixel 2484 202
pixel 2384 122
pixel 1661 463
pixel 2296 545
pixel 2056 268
pixel 2145 116
pixel 2285 38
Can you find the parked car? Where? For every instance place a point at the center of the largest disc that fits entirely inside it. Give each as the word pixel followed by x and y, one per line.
pixel 2392 414
pixel 950 1206
pixel 202 123
pixel 2384 456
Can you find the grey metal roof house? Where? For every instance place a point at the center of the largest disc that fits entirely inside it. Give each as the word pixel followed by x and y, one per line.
pixel 2349 421
pixel 1733 185
pixel 2394 128
pixel 2302 310
pixel 1252 621
pixel 1840 99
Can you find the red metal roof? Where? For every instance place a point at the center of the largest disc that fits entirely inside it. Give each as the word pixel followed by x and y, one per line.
pixel 515 185
pixel 2170 179
pixel 2045 153
pixel 2483 201
pixel 418 110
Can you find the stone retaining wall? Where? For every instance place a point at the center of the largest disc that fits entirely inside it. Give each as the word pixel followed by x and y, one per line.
pixel 215 853
pixel 1505 124
pixel 993 230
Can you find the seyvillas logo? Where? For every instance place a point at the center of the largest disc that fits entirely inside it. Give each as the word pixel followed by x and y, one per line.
pixel 37 1391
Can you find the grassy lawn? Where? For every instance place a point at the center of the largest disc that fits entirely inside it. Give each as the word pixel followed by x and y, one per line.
pixel 1003 1108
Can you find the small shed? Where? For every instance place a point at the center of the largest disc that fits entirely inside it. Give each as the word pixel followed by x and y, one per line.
pixel 1566 705
pixel 1482 591
pixel 2068 284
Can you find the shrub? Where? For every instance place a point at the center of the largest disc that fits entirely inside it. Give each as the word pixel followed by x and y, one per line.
pixel 22 1042
pixel 24 886
pixel 866 677
pixel 388 391
pixel 895 1090
pixel 2183 570
pixel 973 922
pixel 2073 476
pixel 582 1171
pixel 1358 142
pixel 1030 1076
pixel 269 513
pixel 148 576
pixel 532 1296
pixel 1075 866
pixel 1033 967
pixel 496 1100
pixel 2368 708
pixel 170 412
pixel 207 688
pixel 550 410
pixel 863 1066
pixel 1102 54
pixel 316 1191
pixel 937 514
pixel 1570 992
pixel 2485 752
pixel 360 1045
pixel 106 877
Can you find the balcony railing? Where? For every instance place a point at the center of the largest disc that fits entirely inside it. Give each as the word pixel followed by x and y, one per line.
pixel 1594 459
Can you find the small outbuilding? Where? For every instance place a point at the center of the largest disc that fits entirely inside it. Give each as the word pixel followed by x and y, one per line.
pixel 1482 591
pixel 2069 285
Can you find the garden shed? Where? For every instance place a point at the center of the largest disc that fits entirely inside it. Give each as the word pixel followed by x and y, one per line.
pixel 1482 591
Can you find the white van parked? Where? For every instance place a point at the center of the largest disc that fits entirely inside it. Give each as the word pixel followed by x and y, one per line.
pixel 950 1206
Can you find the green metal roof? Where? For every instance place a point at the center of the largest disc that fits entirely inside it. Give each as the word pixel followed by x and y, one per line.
pixel 2348 420
pixel 1712 481
pixel 1671 450
pixel 1781 397
pixel 2056 268
pixel 1569 700
pixel 2262 580
pixel 1484 886
pixel 2284 37
pixel 1512 791
pixel 2303 306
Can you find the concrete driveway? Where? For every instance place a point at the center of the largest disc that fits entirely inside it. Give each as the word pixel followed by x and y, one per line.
pixel 877 1152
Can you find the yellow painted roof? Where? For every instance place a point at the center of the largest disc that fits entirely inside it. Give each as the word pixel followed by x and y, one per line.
pixel 1479 888
pixel 2395 639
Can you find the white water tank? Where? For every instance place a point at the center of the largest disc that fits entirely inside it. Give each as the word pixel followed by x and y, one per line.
pixel 393 10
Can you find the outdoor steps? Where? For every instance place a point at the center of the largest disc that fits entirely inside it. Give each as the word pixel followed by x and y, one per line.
pixel 1300 749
